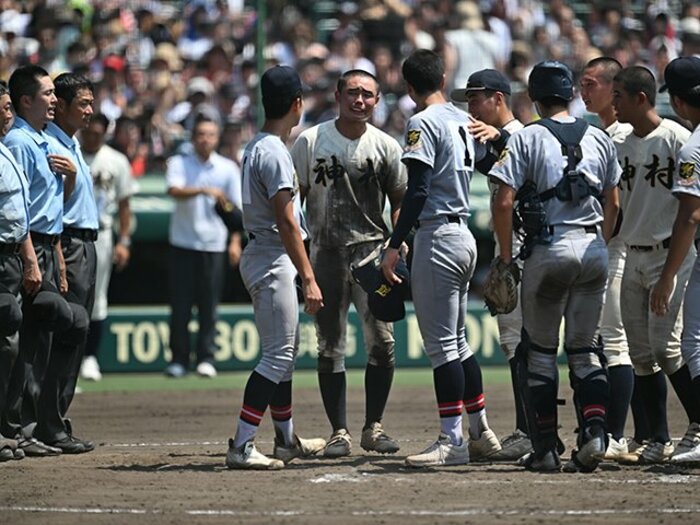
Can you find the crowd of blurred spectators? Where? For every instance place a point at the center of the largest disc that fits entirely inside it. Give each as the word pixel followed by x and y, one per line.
pixel 157 64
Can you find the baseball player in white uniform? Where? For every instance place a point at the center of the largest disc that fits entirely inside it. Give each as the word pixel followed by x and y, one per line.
pixel 682 78
pixel 441 156
pixel 347 169
pixel 269 266
pixel 597 94
pixel 565 273
pixel 648 158
pixel 113 186
pixel 488 95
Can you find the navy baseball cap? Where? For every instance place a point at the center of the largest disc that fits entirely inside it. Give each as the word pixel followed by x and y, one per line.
pixel 484 80
pixel 681 75
pixel 551 79
pixel 385 301
pixel 281 82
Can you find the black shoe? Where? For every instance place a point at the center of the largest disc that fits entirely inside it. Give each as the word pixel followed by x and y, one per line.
pixel 34 448
pixel 88 445
pixel 68 446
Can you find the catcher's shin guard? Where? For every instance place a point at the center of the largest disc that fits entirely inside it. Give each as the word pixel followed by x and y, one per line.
pixel 536 401
pixel 591 392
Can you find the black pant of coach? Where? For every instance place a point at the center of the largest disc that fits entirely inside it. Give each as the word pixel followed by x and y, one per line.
pixel 30 398
pixel 67 348
pixel 195 279
pixel 10 315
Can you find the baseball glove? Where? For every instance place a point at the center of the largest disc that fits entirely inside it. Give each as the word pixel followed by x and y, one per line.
pixel 501 289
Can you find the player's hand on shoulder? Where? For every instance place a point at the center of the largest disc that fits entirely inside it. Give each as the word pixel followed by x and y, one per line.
pixel 482 131
pixel 313 298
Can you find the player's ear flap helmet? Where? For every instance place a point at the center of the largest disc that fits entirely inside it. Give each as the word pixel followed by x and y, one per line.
pixel 550 79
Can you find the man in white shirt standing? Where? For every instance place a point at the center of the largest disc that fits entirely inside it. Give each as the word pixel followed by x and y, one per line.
pixel 198 239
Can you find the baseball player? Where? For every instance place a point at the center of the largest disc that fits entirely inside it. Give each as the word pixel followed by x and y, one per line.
pixel 597 93
pixel 682 78
pixel 18 264
pixel 113 185
pixel 565 272
pixel 269 267
pixel 80 224
pixel 347 168
pixel 648 157
pixel 441 155
pixel 488 95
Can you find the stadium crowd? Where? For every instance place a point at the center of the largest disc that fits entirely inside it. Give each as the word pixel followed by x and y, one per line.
pixel 154 61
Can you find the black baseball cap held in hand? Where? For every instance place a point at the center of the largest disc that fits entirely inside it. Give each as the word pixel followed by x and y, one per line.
pixel 682 75
pixel 484 80
pixel 281 82
pixel 384 300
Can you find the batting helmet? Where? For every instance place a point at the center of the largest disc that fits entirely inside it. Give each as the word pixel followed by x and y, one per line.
pixel 551 79
pixel 384 300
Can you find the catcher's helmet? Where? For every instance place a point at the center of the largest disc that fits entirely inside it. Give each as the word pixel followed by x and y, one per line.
pixel 384 300
pixel 550 79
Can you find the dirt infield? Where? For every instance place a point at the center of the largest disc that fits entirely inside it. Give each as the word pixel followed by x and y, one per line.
pixel 161 454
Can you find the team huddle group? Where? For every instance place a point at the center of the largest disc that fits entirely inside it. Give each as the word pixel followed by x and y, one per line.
pixel 595 219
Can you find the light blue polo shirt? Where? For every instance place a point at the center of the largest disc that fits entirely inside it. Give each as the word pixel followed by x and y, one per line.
pixel 14 199
pixel 80 210
pixel 30 148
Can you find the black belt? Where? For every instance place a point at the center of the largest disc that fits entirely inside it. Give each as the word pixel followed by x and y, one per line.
pixel 662 245
pixel 587 229
pixel 450 218
pixel 42 238
pixel 11 248
pixel 80 233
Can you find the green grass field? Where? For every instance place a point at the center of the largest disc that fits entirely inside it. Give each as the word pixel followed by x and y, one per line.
pixel 302 379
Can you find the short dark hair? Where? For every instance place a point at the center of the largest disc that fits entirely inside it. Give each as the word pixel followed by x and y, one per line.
pixel 100 118
pixel 202 118
pixel 278 108
pixel 553 102
pixel 343 80
pixel 4 90
pixel 69 84
pixel 25 81
pixel 423 70
pixel 638 79
pixel 609 65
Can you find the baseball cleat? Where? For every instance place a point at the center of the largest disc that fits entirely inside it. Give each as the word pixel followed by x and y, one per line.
pixel 513 447
pixel 441 453
pixel 689 441
pixel 340 444
pixel 483 448
pixel 656 452
pixel 206 369
pixel 591 453
pixel 248 457
pixel 175 370
pixel 615 448
pixel 303 448
pixel 633 445
pixel 689 456
pixel 633 456
pixel 548 462
pixel 374 439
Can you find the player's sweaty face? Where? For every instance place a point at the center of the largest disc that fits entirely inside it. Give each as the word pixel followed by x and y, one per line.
pixel 80 110
pixel 357 100
pixel 482 106
pixel 596 93
pixel 623 103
